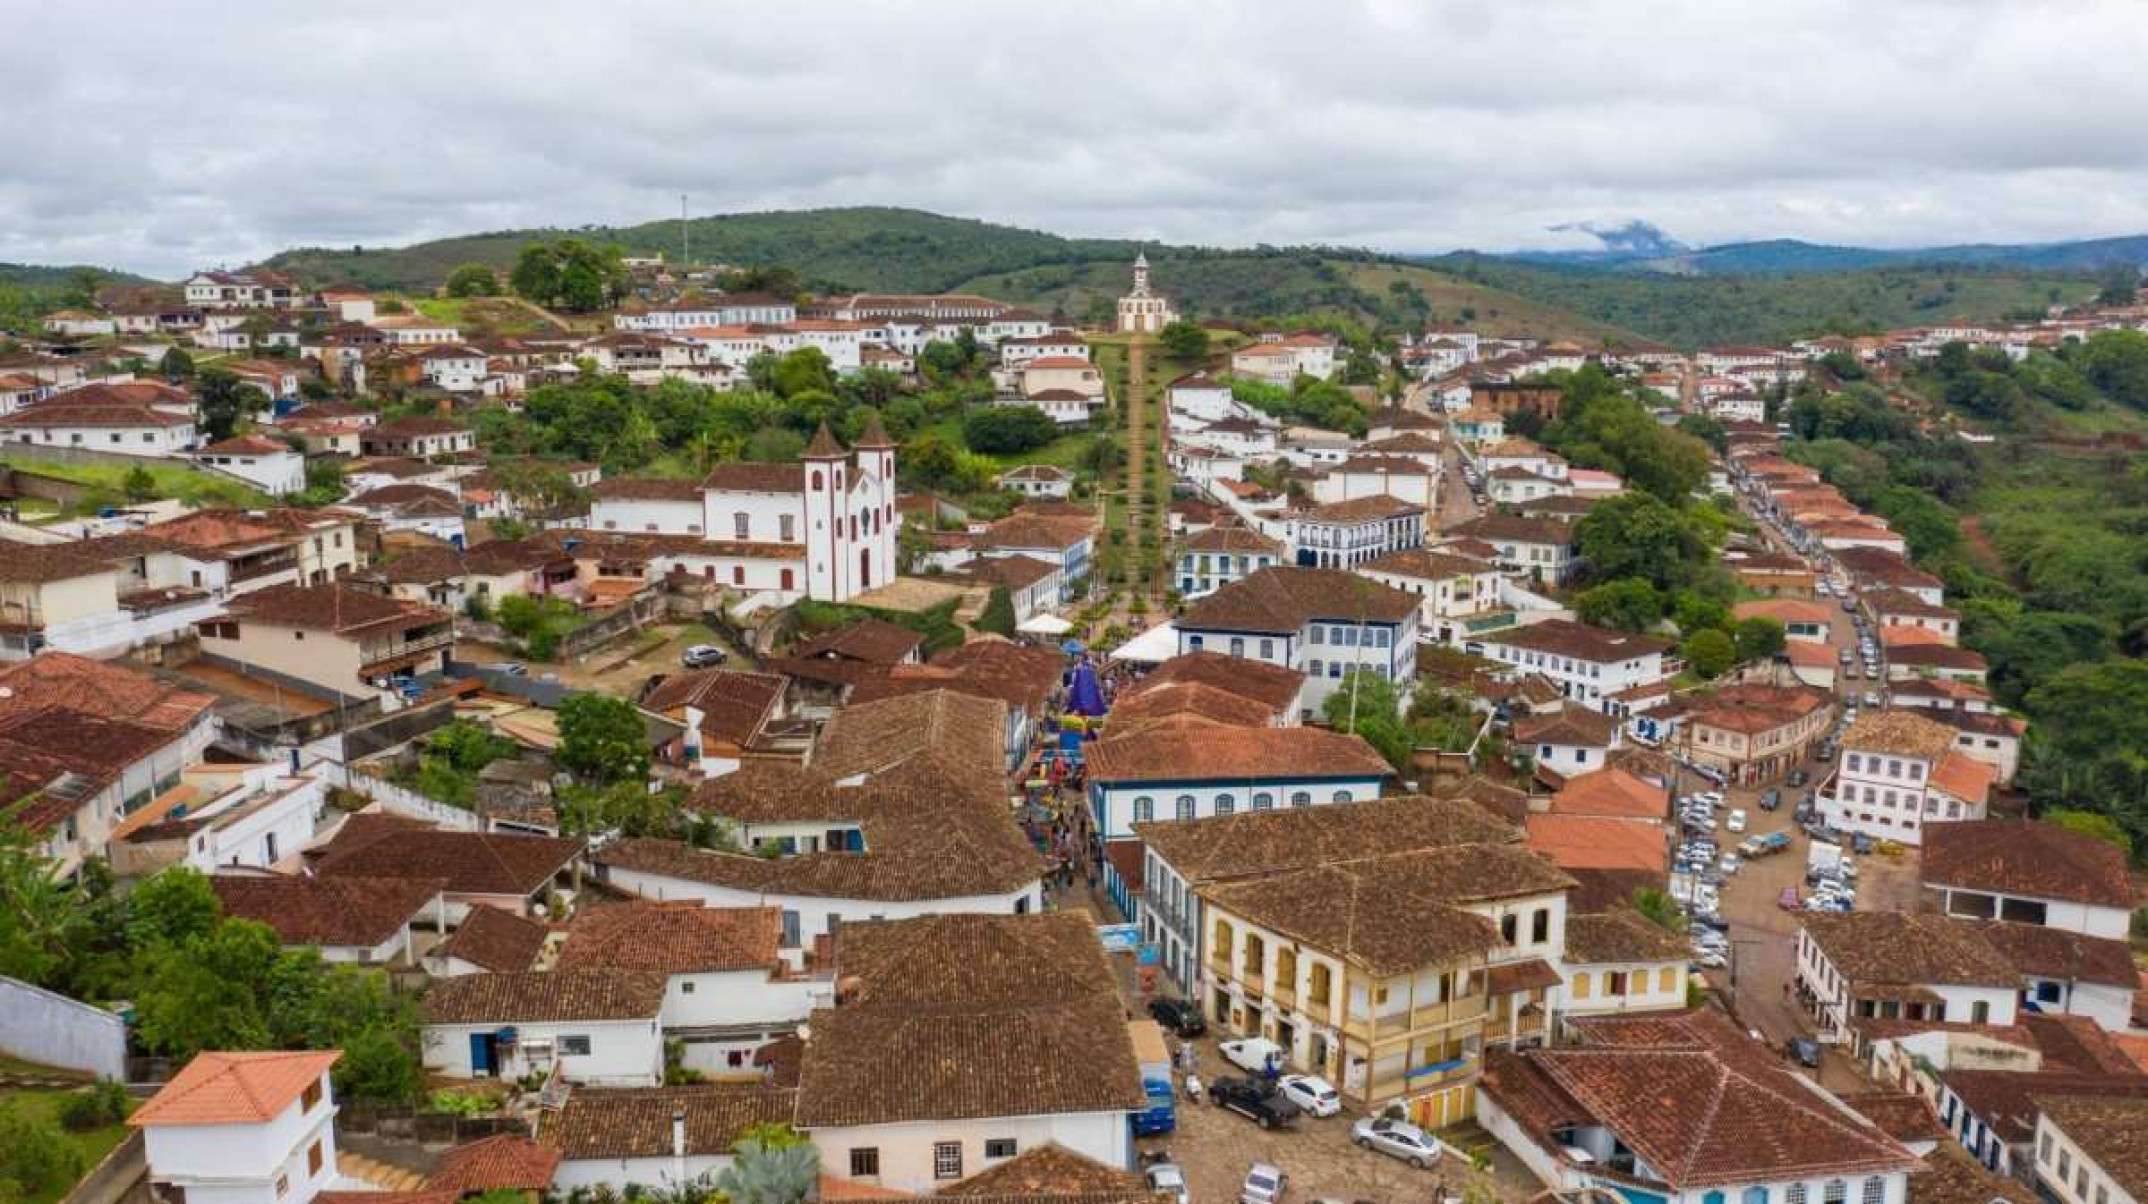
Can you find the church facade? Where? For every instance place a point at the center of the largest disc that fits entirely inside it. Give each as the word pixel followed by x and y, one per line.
pixel 823 527
pixel 1144 311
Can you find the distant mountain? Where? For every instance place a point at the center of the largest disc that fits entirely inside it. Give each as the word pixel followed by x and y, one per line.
pixel 36 275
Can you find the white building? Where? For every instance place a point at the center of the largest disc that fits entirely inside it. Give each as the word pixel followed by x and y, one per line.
pixel 1319 622
pixel 660 1139
pixel 1890 965
pixel 1219 555
pixel 1590 665
pixel 600 1028
pixel 133 430
pixel 824 527
pixel 1898 773
pixel 1187 773
pixel 1619 962
pixel 242 1128
pixel 271 465
pixel 2088 1149
pixel 1344 535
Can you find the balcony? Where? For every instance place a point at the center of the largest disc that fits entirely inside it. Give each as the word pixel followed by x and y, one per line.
pixel 383 655
pixel 268 564
pixel 1395 1024
pixel 1430 1077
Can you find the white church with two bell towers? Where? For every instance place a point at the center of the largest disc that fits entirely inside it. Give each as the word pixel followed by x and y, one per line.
pixel 1143 311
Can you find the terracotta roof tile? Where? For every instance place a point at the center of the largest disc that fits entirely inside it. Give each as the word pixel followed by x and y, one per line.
pixel 335 608
pixel 1951 1176
pixel 2110 1131
pixel 876 641
pixel 1598 842
pixel 1875 948
pixel 494 940
pixel 2025 857
pixel 1901 732
pixel 326 911
pixel 1214 751
pixel 1598 645
pixel 969 958
pixel 507 1162
pixel 543 997
pixel 486 863
pixel 616 1123
pixel 675 938
pixel 1620 936
pixel 1274 686
pixel 1052 1172
pixel 234 1088
pixel 1255 843
pixel 1284 598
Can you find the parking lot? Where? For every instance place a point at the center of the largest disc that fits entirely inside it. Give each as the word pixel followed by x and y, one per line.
pixel 1214 1148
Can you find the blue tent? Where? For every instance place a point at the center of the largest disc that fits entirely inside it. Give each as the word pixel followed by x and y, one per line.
pixel 1084 696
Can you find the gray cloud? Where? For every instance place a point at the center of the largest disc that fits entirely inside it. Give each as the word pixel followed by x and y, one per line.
pixel 172 136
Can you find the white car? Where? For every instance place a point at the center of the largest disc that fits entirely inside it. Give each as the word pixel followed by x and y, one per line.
pixel 1736 822
pixel 1165 1178
pixel 1256 1054
pixel 1264 1185
pixel 1729 864
pixel 1313 1094
pixel 1397 1140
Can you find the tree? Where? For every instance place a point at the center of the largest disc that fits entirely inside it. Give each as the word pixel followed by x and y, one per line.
pixel 139 484
pixel 1367 706
pixel 1709 653
pixel 2089 823
pixel 473 280
pixel 1657 907
pixel 36 1156
pixel 1639 535
pixel 2116 361
pixel 803 369
pixel 1185 341
pixel 1628 604
pixel 998 614
pixel 602 738
pixel 627 807
pixel 171 908
pixel 225 401
pixel 2088 746
pixel 2120 285
pixel 176 365
pixel 206 993
pixel 1758 638
pixel 569 273
pixel 1008 430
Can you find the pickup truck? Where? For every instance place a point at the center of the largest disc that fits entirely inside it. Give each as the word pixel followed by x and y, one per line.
pixel 1764 844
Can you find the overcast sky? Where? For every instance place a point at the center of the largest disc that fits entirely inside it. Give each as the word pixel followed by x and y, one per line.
pixel 168 136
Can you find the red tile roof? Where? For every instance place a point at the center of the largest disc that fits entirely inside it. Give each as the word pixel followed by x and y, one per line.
pixel 234 1088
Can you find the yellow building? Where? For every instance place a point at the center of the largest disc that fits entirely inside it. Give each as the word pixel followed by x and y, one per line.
pixel 1390 975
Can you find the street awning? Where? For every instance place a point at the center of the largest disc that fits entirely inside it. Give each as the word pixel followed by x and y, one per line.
pixel 1152 647
pixel 1045 625
pixel 1520 976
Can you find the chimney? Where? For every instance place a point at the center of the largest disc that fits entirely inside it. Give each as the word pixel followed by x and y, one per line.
pixel 678 1131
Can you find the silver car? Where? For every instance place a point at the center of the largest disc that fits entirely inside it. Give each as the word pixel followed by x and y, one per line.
pixel 1264 1184
pixel 1165 1178
pixel 1397 1140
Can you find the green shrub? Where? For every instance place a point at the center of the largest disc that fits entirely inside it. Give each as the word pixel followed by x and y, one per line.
pixel 94 1107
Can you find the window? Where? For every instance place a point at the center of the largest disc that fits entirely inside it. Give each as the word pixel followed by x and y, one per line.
pixel 865 1162
pixel 1853 763
pixel 790 935
pixel 1582 986
pixel 1320 635
pixel 1262 801
pixel 1794 1194
pixel 2043 1148
pixel 1144 809
pixel 786 527
pixel 741 525
pixel 1754 1195
pixel 574 1047
pixel 1225 804
pixel 1980 1012
pixel 1312 667
pixel 1834 1191
pixel 947 1160
pixel 1666 980
pixel 1874 1191
pixel 1540 925
pixel 1507 928
pixel 1301 798
pixel 1340 796
pixel 310 1099
pixel 1184 805
pixel 999 1147
pixel 313 1159
pixel 1238 645
pixel 1267 649
pixel 686 986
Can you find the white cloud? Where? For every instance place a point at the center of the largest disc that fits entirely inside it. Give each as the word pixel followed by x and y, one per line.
pixel 167 137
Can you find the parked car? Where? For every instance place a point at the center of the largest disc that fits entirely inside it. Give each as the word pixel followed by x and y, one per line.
pixel 1788 900
pixel 1736 822
pixel 703 656
pixel 1798 777
pixel 1313 1095
pixel 1872 698
pixel 1396 1139
pixel 1264 1184
pixel 1166 1178
pixel 1806 1051
pixel 1178 1016
pixel 1257 1054
pixel 1253 1101
pixel 506 668
pixel 1770 799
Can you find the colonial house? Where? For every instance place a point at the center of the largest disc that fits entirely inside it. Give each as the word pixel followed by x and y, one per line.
pixel 657 1138
pixel 138 430
pixel 2029 872
pixel 1219 555
pixel 83 598
pixel 365 921
pixel 2088 1149
pixel 507 871
pixel 1749 732
pixel 1572 740
pixel 1400 968
pixel 1898 774
pixel 1319 622
pixel 248 1128
pixel 86 744
pixel 1344 535
pixel 252 288
pixel 1459 593
pixel 1666 1109
pixel 907 1084
pixel 1591 665
pixel 1542 548
pixel 1807 622
pixel 729 990
pixel 1619 962
pixel 899 810
pixel 1183 770
pixel 1894 608
pixel 599 1027
pixel 1065 541
pixel 1038 481
pixel 333 637
pixel 271 465
pixel 417 437
pixel 1891 965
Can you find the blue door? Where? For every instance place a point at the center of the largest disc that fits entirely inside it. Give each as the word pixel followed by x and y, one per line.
pixel 480 1053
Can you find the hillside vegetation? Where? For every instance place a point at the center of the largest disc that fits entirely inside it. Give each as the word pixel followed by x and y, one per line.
pixel 1692 311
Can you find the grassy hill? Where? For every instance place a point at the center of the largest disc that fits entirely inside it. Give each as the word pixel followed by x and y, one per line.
pixel 906 250
pixel 1769 308
pixel 37 275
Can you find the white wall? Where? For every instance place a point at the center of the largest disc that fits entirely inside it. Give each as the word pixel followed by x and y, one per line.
pixel 239 1163
pixel 814 911
pixel 906 1150
pixel 622 1053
